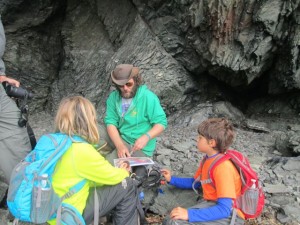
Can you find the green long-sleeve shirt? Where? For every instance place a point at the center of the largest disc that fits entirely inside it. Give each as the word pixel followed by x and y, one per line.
pixel 144 112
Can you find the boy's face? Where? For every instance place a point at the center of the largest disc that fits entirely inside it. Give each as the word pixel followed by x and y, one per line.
pixel 204 145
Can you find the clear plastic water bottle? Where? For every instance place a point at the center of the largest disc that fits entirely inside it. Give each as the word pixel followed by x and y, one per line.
pixel 251 198
pixel 44 182
pixel 253 186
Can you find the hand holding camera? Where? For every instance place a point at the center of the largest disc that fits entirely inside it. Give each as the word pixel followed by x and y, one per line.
pixel 11 81
pixel 16 92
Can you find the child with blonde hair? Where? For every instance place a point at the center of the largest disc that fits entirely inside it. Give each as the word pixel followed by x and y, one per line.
pixel 216 207
pixel 76 116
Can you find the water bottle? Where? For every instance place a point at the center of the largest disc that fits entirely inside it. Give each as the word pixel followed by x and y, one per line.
pixel 44 182
pixel 253 186
pixel 251 198
pixel 41 207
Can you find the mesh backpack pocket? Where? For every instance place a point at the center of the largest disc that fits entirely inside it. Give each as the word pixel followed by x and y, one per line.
pixel 16 179
pixel 44 203
pixel 69 215
pixel 248 201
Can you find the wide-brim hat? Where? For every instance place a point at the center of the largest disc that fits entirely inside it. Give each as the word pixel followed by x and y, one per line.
pixel 123 73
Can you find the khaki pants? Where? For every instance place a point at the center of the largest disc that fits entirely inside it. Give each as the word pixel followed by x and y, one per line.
pixel 14 140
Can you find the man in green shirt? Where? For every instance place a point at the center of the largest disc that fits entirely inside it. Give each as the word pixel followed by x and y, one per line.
pixel 134 116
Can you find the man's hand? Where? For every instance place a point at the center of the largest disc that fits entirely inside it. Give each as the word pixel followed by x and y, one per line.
pixel 179 213
pixel 140 143
pixel 167 174
pixel 123 151
pixel 10 81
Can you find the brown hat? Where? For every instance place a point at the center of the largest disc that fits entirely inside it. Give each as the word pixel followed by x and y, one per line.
pixel 123 73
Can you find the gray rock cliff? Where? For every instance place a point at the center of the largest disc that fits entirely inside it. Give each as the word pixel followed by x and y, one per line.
pixel 238 59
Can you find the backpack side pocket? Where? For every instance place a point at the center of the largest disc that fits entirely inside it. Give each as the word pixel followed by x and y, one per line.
pixel 69 216
pixel 16 179
pixel 44 203
pixel 248 201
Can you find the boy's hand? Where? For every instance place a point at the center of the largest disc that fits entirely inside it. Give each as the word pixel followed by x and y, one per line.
pixel 179 213
pixel 167 174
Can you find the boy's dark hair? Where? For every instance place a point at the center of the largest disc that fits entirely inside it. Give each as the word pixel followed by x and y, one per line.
pixel 219 129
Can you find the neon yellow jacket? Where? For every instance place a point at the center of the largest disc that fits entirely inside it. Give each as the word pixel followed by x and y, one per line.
pixel 82 161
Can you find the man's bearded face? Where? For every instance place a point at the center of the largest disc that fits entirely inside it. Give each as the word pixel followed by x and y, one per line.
pixel 128 90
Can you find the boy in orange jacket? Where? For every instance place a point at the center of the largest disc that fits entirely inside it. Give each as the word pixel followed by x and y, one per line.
pixel 216 207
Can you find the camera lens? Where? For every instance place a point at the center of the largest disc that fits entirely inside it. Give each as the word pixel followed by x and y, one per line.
pixel 18 92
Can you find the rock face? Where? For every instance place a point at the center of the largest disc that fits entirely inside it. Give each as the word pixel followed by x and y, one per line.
pixel 238 59
pixel 58 48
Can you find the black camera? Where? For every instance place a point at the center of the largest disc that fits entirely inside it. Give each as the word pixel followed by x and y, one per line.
pixel 21 95
pixel 16 92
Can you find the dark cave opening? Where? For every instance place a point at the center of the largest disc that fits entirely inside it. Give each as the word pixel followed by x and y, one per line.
pixel 240 96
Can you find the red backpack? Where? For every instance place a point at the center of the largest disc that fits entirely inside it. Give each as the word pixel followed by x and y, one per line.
pixel 252 198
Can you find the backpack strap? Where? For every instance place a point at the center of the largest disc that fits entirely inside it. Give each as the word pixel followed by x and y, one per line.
pixel 217 160
pixel 53 139
pixel 233 217
pixel 96 207
pixel 73 190
pixel 140 207
pixel 16 221
pixel 31 136
pixel 57 150
pixel 235 161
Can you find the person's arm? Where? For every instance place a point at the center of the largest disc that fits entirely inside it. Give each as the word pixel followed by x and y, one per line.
pixel 112 120
pixel 184 182
pixel 141 142
pixel 91 165
pixel 2 49
pixel 156 113
pixel 3 76
pixel 9 80
pixel 114 135
pixel 157 119
pixel 219 211
pixel 180 182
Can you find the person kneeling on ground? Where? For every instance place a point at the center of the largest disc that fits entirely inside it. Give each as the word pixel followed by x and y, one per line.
pixel 215 136
pixel 134 117
pixel 116 190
